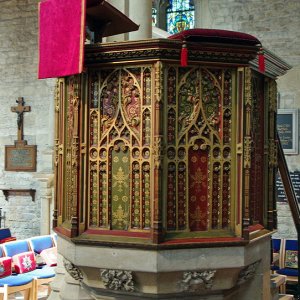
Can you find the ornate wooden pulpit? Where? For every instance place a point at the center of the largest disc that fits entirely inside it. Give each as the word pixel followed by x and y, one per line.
pixel 166 173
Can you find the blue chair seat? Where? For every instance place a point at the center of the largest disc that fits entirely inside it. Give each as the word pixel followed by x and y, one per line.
pixel 288 272
pixel 15 280
pixel 42 273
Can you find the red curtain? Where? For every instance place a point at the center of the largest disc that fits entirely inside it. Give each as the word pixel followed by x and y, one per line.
pixel 61 37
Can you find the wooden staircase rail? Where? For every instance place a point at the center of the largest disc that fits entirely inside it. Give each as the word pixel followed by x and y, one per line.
pixel 291 199
pixel 288 185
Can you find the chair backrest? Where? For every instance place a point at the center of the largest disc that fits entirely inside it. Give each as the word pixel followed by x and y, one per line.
pixel 276 245
pixel 54 237
pixel 4 233
pixel 15 247
pixel 40 243
pixel 2 254
pixel 290 254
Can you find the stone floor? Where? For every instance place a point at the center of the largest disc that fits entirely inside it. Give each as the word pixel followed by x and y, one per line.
pixel 42 294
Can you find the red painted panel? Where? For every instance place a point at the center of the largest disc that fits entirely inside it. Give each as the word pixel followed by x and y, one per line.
pixel 198 188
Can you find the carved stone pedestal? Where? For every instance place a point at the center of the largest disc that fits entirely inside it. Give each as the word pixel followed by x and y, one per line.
pixel 67 283
pixel 201 273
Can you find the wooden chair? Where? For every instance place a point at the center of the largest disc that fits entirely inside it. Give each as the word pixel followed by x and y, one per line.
pixel 5 235
pixel 43 275
pixel 288 261
pixel 276 245
pixel 10 284
pixel 40 243
pixel 45 249
pixel 13 248
pixel 54 237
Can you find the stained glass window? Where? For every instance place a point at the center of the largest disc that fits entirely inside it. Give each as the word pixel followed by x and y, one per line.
pixel 154 16
pixel 180 15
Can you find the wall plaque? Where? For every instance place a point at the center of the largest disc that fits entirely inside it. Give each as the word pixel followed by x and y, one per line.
pixel 280 192
pixel 287 126
pixel 20 158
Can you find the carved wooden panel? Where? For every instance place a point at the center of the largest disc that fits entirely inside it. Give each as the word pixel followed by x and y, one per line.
pixel 197 125
pixel 160 149
pixel 257 178
pixel 66 155
pixel 120 131
pixel 200 148
pixel 71 146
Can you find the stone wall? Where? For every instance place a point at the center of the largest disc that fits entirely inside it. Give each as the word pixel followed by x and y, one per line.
pixel 18 65
pixel 276 24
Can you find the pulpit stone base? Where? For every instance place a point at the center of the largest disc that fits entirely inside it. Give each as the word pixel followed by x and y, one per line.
pixel 221 273
pixel 65 287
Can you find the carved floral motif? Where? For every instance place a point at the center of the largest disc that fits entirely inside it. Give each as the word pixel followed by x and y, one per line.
pixel 211 98
pixel 131 101
pixel 194 280
pixel 117 280
pixel 272 96
pixel 109 101
pixel 72 270
pixel 248 87
pixel 247 273
pixel 189 101
pixel 158 92
pixel 158 151
pixel 247 152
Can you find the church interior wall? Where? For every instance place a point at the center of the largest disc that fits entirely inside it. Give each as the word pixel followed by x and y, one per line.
pixel 18 65
pixel 275 22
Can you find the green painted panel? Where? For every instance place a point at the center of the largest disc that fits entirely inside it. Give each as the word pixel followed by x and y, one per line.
pixel 120 188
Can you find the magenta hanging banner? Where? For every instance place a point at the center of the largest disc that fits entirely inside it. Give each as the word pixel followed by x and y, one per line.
pixel 61 37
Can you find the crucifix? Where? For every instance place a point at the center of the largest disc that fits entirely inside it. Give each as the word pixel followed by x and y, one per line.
pixel 20 156
pixel 20 109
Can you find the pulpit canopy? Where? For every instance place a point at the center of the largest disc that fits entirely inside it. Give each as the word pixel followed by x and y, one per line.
pixel 216 36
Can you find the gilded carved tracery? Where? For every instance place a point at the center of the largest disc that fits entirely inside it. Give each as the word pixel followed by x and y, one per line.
pixel 119 153
pixel 151 148
pixel 197 133
pixel 199 148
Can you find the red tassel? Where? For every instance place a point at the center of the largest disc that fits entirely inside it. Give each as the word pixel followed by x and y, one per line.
pixel 184 56
pixel 261 62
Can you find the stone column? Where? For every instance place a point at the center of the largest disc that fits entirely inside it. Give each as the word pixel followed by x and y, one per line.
pixel 140 12
pixel 46 184
pixel 122 6
pixel 203 18
pixel 162 14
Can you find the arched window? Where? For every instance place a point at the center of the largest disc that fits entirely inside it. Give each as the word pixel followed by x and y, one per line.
pixel 180 15
pixel 154 16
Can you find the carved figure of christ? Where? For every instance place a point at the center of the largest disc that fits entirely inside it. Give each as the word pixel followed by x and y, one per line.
pixel 20 109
